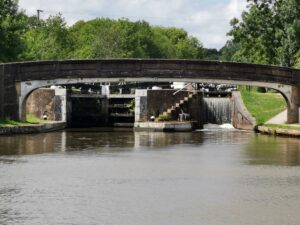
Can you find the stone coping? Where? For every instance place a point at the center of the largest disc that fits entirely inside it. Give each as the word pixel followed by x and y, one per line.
pixel 164 126
pixel 278 131
pixel 34 128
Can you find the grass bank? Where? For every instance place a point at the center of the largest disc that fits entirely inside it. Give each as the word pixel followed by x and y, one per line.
pixel 29 121
pixel 284 126
pixel 263 106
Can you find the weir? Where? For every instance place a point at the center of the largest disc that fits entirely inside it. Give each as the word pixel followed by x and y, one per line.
pixel 217 110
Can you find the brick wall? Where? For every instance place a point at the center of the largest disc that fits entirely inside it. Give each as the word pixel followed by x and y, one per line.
pixel 158 101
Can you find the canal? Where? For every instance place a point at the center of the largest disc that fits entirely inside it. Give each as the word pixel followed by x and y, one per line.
pixel 210 177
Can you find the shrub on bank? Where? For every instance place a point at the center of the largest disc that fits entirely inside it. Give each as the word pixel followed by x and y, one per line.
pixel 164 118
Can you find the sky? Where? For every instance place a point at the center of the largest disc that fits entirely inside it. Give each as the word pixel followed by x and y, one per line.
pixel 208 20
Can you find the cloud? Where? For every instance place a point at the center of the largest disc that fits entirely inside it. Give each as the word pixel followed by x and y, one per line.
pixel 208 20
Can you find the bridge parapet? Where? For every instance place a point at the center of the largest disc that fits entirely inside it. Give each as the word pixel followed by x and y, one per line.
pixel 134 68
pixel 17 80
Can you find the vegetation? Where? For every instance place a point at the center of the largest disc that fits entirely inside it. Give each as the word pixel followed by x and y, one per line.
pixel 263 106
pixel 284 126
pixel 12 27
pixel 24 38
pixel 9 123
pixel 164 118
pixel 34 120
pixel 29 121
pixel 268 33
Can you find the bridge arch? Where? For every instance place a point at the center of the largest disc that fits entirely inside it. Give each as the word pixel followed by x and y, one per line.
pixel 28 87
pixel 18 80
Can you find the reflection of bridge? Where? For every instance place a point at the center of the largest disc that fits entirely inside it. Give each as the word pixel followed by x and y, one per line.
pixel 18 80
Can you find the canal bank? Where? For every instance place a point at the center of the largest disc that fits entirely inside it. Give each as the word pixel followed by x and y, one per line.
pixel 291 130
pixel 32 128
pixel 175 126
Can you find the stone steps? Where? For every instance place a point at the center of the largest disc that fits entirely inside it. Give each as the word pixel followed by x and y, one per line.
pixel 178 105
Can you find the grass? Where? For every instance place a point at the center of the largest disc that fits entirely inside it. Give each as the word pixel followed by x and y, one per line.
pixel 164 118
pixel 34 120
pixel 263 106
pixel 9 123
pixel 284 126
pixel 29 121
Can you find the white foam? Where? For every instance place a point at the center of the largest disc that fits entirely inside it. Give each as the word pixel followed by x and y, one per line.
pixel 226 126
pixel 216 126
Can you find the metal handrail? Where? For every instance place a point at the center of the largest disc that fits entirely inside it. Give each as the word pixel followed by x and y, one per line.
pixel 181 89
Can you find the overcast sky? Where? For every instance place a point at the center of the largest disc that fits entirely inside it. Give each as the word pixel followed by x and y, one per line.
pixel 208 20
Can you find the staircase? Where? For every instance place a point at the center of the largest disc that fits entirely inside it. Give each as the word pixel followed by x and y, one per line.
pixel 177 109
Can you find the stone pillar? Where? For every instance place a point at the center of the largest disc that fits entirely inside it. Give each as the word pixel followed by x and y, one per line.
pixel 293 105
pixel 10 92
pixel 140 105
pixel 105 90
pixel 62 93
pixel 195 108
pixel 22 108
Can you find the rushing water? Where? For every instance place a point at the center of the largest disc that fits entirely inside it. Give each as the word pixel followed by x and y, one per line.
pixel 217 110
pixel 210 177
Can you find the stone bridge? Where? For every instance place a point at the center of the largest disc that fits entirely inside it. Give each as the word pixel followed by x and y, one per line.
pixel 18 80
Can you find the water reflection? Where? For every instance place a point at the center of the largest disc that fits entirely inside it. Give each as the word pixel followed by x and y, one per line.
pixel 129 178
pixel 30 144
pixel 270 150
pixel 78 140
pixel 166 140
pixel 255 149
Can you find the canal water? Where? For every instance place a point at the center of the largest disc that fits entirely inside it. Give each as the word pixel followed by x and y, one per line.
pixel 209 177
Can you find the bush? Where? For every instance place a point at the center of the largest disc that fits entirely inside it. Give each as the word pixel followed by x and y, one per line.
pixel 163 118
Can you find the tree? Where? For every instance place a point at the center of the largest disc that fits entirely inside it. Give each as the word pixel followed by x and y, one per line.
pixel 255 35
pixel 12 25
pixel 180 44
pixel 228 51
pixel 288 16
pixel 27 38
pixel 106 38
pixel 211 54
pixel 48 39
pixel 269 32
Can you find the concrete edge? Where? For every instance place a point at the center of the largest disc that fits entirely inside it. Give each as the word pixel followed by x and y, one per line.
pixel 241 118
pixel 278 131
pixel 30 129
pixel 164 126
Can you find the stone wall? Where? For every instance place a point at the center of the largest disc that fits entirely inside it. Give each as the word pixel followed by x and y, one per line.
pixel 159 101
pixel 241 118
pixel 9 104
pixel 195 108
pixel 34 128
pixel 45 101
pixel 154 102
